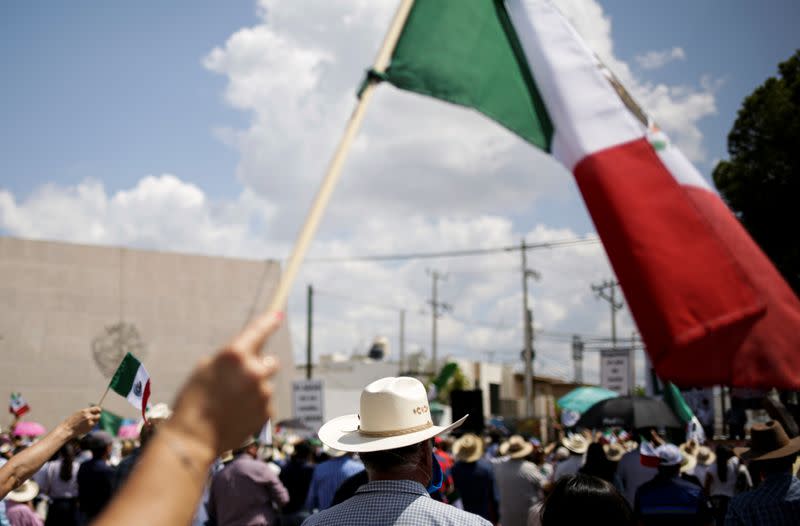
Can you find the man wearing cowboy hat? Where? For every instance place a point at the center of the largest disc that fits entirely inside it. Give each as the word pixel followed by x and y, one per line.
pixel 473 477
pixel 519 482
pixel 20 508
pixel 577 446
pixel 246 490
pixel 776 501
pixel 392 434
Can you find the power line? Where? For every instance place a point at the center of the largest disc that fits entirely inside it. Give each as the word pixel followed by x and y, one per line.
pixel 457 253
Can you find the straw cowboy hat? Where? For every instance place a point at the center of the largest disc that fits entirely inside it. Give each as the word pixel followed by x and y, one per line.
pixel 768 441
pixel 516 447
pixel 704 456
pixel 576 444
pixel 468 448
pixel 688 463
pixel 614 452
pixel 394 412
pixel 630 445
pixel 26 492
pixel 689 448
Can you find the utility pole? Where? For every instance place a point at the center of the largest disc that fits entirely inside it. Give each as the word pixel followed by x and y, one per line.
pixel 610 297
pixel 577 357
pixel 437 308
pixel 402 340
pixel 309 324
pixel 527 323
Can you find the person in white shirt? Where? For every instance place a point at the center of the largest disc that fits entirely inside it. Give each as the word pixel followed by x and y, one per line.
pixel 58 479
pixel 720 482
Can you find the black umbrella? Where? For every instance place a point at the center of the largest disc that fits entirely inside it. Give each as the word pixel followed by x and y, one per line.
pixel 631 412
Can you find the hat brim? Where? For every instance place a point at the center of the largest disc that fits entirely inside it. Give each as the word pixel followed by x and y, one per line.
pixel 25 493
pixel 526 450
pixel 342 433
pixel 746 453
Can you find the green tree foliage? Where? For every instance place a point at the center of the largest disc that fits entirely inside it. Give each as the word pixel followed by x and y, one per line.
pixel 761 181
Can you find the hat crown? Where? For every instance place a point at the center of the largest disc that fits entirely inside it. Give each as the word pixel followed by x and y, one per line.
pixel 394 404
pixel 768 436
pixel 516 443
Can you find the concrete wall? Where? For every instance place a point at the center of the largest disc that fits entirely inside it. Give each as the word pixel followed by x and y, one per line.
pixel 57 299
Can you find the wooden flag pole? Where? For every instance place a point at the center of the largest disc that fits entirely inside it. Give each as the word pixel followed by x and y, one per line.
pixel 100 403
pixel 335 167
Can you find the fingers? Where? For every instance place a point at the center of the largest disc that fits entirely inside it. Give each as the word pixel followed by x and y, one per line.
pixel 253 337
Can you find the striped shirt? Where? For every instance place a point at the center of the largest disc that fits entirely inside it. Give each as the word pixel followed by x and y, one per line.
pixel 393 503
pixel 775 502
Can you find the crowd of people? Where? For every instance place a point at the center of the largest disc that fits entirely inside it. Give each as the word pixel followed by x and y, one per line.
pixel 385 464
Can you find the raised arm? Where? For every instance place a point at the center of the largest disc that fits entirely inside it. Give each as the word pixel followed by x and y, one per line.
pixel 22 466
pixel 226 398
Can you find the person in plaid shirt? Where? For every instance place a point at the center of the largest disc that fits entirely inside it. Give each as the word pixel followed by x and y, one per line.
pixel 776 501
pixel 392 433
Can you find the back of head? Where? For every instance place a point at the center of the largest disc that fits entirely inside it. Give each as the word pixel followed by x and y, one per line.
pixel 583 499
pixel 724 454
pixel 302 451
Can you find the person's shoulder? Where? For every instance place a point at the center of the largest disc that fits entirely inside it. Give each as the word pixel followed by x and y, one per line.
pixel 342 513
pixel 451 514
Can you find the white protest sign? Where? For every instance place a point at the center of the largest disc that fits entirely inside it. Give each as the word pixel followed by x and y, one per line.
pixel 616 370
pixel 308 402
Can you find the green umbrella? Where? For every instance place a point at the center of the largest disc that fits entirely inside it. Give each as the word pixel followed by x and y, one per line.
pixel 582 398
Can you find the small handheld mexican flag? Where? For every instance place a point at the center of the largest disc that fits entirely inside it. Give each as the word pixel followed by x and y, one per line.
pixel 132 381
pixel 17 405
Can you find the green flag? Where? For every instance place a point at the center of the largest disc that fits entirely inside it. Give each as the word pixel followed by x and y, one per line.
pixel 445 374
pixel 468 53
pixel 674 399
pixel 109 422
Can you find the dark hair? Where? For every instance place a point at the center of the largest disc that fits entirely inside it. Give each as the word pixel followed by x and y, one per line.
pixel 582 499
pixel 67 457
pixel 724 454
pixel 302 450
pixel 597 464
pixel 382 461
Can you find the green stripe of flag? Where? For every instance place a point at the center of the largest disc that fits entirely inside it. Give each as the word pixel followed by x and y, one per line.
pixel 467 53
pixel 674 399
pixel 110 422
pixel 122 382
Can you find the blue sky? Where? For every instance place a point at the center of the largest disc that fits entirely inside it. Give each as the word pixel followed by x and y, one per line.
pixel 118 92
pixel 204 127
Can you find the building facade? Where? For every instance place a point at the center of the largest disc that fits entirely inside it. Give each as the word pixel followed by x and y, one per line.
pixel 69 312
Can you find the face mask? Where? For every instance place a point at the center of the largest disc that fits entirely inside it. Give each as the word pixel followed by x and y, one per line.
pixel 437 477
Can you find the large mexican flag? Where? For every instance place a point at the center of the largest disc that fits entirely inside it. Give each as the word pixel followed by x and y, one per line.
pixel 711 307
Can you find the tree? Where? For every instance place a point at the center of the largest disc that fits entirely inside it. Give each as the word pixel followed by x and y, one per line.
pixel 761 181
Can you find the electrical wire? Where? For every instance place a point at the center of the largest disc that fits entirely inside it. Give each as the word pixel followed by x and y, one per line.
pixel 456 253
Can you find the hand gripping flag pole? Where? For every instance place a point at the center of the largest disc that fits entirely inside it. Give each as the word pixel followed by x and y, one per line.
pixel 335 166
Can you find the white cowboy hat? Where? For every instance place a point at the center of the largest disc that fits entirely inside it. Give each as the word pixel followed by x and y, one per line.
pixel 26 492
pixel 575 443
pixel 394 413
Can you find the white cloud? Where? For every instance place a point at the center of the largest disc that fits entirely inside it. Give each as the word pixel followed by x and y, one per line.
pixel 676 108
pixel 422 176
pixel 659 59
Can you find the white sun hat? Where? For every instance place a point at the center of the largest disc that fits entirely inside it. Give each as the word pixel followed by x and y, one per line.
pixel 394 413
